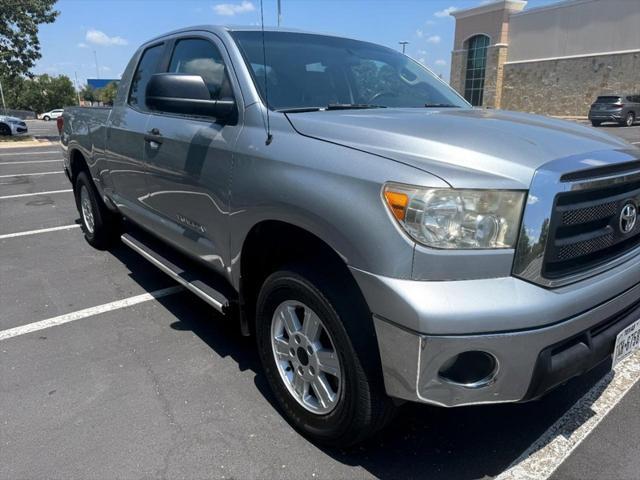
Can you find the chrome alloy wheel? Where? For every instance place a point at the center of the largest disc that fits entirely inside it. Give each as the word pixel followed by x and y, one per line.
pixel 87 210
pixel 306 357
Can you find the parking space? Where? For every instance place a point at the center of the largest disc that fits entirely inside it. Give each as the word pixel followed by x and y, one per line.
pixel 40 128
pixel 100 379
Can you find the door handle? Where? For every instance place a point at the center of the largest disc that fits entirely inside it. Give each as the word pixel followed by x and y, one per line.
pixel 153 138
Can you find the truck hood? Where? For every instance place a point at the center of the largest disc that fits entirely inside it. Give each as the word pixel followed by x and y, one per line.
pixel 467 148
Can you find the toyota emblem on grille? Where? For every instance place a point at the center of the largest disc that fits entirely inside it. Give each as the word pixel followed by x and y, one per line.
pixel 628 217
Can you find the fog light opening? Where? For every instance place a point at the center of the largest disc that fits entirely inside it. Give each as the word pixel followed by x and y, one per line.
pixel 474 369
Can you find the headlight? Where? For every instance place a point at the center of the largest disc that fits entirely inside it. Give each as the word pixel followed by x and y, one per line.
pixel 457 219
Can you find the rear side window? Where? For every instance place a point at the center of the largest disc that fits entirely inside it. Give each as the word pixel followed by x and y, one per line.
pixel 197 56
pixel 608 99
pixel 147 66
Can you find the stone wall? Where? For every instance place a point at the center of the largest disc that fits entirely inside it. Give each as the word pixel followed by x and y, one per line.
pixel 568 86
pixel 458 70
pixel 493 76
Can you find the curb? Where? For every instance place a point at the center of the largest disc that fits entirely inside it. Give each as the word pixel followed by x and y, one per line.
pixel 27 143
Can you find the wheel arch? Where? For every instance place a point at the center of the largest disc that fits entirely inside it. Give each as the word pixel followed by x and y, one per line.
pixel 273 244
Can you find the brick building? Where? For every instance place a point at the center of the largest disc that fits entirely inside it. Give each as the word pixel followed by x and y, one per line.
pixel 554 59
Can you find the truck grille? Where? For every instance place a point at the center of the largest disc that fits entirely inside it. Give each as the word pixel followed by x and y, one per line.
pixel 585 229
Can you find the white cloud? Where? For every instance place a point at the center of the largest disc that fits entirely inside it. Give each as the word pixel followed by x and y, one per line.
pixel 422 60
pixel 434 39
pixel 441 62
pixel 83 45
pixel 422 52
pixel 104 68
pixel 429 22
pixel 100 38
pixel 419 33
pixel 231 9
pixel 446 12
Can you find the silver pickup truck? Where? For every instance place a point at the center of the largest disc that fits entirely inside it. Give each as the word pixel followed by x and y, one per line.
pixel 382 240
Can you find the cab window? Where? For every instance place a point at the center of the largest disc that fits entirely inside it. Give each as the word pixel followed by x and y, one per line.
pixel 197 56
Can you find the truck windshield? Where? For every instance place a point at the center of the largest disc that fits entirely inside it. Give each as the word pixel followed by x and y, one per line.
pixel 305 72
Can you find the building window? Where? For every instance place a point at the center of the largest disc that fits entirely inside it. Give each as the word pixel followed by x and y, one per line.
pixel 476 63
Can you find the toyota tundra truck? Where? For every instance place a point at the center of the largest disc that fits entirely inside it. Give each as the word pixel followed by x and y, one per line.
pixel 381 239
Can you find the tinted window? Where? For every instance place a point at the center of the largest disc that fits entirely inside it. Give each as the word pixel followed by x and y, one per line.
pixel 147 66
pixel 201 57
pixel 476 63
pixel 313 71
pixel 608 99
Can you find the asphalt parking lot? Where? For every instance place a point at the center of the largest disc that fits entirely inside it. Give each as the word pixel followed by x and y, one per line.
pixel 108 370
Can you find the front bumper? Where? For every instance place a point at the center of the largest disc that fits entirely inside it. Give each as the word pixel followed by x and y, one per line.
pixel 530 360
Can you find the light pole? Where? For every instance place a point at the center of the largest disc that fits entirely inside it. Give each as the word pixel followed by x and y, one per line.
pixel 95 56
pixel 77 87
pixel 4 106
pixel 279 13
pixel 404 45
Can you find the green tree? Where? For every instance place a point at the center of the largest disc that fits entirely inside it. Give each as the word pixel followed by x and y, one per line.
pixel 42 93
pixel 19 44
pixel 88 93
pixel 108 93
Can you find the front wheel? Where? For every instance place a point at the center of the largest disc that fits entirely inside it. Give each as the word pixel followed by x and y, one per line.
pixel 328 388
pixel 101 227
pixel 595 123
pixel 46 118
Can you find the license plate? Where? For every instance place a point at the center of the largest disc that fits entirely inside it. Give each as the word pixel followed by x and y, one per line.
pixel 627 342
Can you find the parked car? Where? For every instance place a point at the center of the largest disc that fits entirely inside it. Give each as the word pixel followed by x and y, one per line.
pixel 383 240
pixel 51 114
pixel 623 109
pixel 12 126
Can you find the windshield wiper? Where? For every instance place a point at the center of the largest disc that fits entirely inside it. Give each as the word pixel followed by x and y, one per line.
pixel 331 106
pixel 440 105
pixel 351 106
pixel 298 109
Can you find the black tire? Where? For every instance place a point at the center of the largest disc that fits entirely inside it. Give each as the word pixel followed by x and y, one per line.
pixel 362 407
pixel 46 118
pixel 103 229
pixel 629 120
pixel 5 130
pixel 596 123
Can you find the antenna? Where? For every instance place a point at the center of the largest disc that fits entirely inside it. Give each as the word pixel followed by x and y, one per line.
pixel 266 88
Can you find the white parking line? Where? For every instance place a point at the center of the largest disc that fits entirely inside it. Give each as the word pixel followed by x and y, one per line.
pixel 42 152
pixel 635 143
pixel 546 454
pixel 31 161
pixel 87 312
pixel 35 232
pixel 30 174
pixel 50 192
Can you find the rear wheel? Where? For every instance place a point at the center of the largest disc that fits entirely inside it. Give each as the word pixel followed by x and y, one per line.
pixel 628 120
pixel 328 387
pixel 5 130
pixel 101 227
pixel 596 123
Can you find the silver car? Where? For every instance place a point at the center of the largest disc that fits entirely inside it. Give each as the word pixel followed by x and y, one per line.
pixel 382 240
pixel 12 126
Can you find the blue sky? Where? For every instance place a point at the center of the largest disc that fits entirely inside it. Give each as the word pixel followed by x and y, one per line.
pixel 115 28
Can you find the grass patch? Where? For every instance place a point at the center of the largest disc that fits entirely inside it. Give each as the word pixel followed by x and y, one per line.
pixel 14 139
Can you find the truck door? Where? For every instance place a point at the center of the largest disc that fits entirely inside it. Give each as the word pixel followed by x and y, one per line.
pixel 126 130
pixel 190 164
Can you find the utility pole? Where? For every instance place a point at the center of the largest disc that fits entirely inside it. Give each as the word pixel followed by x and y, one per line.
pixel 4 106
pixel 95 56
pixel 77 87
pixel 279 13
pixel 404 45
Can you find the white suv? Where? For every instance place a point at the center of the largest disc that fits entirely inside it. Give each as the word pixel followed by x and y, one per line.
pixel 51 114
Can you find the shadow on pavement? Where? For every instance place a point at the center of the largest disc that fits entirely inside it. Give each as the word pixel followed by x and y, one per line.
pixel 422 441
